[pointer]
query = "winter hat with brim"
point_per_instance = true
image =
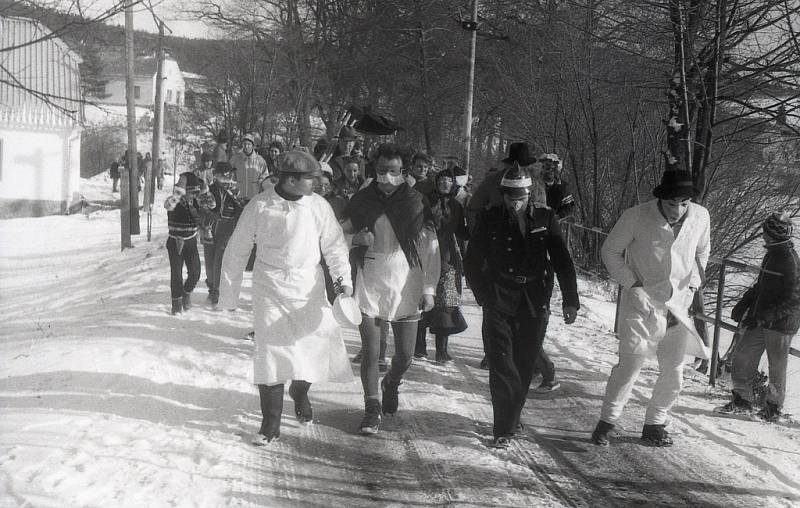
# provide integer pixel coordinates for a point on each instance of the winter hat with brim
(779, 226)
(516, 183)
(299, 163)
(675, 184)
(189, 181)
(223, 167)
(519, 152)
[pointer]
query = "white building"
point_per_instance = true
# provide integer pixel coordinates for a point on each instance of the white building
(144, 81)
(40, 117)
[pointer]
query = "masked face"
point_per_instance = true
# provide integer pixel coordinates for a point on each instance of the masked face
(674, 209)
(444, 184)
(390, 171)
(515, 204)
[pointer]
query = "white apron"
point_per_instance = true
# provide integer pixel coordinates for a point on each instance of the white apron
(296, 334)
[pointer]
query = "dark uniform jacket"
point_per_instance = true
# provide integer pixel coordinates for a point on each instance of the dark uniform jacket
(507, 271)
(774, 300)
(560, 199)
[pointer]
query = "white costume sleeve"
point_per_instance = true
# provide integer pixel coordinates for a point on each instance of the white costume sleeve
(428, 249)
(613, 250)
(332, 243)
(236, 255)
(703, 247)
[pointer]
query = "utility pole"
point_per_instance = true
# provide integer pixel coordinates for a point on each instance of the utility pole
(158, 122)
(133, 170)
(471, 26)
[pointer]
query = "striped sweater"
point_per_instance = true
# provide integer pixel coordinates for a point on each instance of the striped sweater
(182, 217)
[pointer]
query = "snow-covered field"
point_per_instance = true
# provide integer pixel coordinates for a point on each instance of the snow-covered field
(108, 400)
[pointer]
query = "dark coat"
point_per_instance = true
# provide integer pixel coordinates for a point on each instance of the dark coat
(774, 300)
(560, 199)
(497, 254)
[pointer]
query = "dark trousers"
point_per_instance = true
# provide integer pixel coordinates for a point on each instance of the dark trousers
(544, 367)
(180, 253)
(213, 253)
(512, 345)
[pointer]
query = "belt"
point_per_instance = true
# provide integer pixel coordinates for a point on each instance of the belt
(519, 279)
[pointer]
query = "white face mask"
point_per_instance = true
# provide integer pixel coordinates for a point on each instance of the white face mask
(390, 179)
(461, 180)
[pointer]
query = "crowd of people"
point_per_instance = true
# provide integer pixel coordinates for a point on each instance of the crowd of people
(400, 235)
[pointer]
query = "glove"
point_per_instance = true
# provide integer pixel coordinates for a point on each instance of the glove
(427, 302)
(570, 315)
(363, 238)
(172, 202)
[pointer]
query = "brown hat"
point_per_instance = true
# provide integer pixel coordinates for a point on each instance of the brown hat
(298, 162)
(675, 184)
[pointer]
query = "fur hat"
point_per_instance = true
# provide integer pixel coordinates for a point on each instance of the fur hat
(675, 184)
(519, 152)
(188, 181)
(779, 226)
(516, 182)
(298, 162)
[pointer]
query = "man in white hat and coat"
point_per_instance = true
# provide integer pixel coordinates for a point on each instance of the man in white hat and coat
(296, 335)
(667, 241)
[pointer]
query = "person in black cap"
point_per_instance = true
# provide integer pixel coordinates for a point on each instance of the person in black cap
(297, 337)
(222, 222)
(511, 256)
(189, 197)
(657, 252)
(770, 314)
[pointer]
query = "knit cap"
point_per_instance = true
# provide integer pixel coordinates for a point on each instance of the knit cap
(779, 226)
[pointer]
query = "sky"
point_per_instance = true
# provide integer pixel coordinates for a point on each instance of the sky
(168, 10)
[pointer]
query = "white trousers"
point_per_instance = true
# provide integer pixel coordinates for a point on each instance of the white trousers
(670, 350)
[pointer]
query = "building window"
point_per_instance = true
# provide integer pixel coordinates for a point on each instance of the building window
(169, 95)
(137, 92)
(178, 97)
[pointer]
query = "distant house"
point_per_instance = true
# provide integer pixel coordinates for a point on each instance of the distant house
(144, 81)
(40, 120)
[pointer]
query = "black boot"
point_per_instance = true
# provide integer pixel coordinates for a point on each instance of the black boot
(177, 306)
(298, 391)
(372, 417)
(442, 356)
(390, 400)
(271, 409)
(656, 435)
(187, 301)
(600, 434)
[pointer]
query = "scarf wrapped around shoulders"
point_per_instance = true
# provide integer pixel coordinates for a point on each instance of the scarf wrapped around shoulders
(405, 208)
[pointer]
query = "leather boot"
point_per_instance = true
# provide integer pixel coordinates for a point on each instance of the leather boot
(271, 409)
(298, 391)
(187, 301)
(177, 306)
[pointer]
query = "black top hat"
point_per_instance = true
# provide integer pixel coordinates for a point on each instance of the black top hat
(519, 152)
(675, 184)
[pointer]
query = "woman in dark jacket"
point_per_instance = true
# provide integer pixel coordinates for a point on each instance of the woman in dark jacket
(445, 318)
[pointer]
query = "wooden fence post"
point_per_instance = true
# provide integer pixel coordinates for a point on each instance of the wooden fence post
(712, 378)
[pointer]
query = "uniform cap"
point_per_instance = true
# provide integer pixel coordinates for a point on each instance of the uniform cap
(298, 162)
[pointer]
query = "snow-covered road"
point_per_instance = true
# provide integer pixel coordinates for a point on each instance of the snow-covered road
(108, 400)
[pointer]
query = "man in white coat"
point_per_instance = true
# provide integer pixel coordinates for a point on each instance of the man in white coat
(667, 244)
(296, 335)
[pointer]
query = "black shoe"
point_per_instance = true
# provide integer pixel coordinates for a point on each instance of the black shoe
(419, 356)
(372, 417)
(177, 306)
(770, 412)
(600, 434)
(500, 442)
(656, 435)
(298, 391)
(271, 398)
(187, 301)
(390, 397)
(737, 405)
